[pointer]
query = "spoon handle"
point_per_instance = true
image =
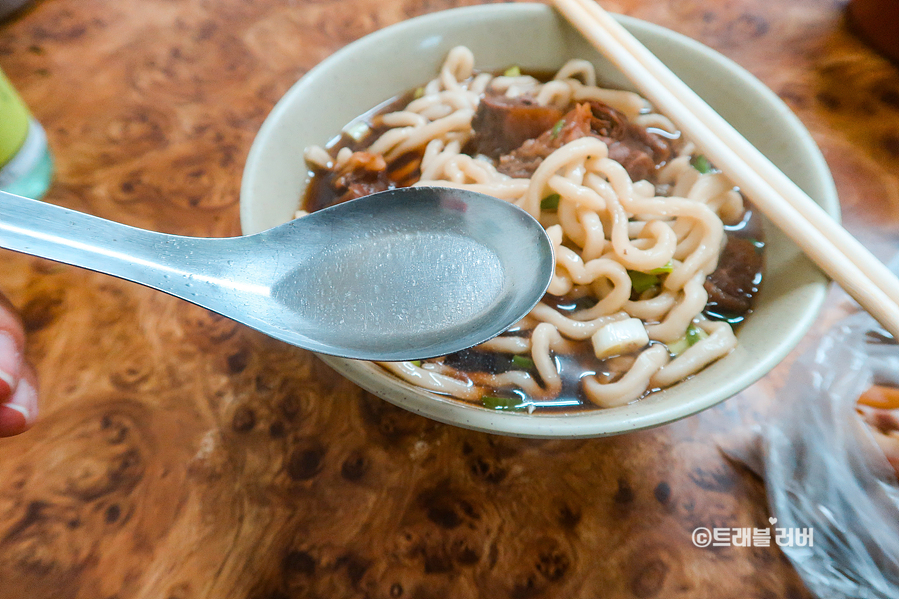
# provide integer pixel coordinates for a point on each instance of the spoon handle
(169, 263)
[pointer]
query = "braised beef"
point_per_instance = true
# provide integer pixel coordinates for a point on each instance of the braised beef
(523, 161)
(363, 174)
(637, 149)
(636, 162)
(734, 282)
(519, 131)
(502, 124)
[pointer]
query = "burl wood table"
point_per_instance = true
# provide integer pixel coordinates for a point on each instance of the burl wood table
(182, 456)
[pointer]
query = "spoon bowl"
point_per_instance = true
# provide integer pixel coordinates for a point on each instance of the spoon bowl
(403, 274)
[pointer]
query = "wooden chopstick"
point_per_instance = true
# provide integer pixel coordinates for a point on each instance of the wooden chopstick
(819, 236)
(748, 153)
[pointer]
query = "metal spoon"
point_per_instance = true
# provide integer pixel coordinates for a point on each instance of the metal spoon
(398, 275)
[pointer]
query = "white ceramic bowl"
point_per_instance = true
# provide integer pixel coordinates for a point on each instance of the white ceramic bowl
(402, 57)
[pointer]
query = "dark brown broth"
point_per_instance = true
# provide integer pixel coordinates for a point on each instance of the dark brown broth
(319, 191)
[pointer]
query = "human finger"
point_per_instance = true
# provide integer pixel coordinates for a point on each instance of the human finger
(19, 411)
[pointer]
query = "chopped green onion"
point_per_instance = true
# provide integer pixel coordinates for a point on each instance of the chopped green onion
(513, 72)
(419, 92)
(357, 130)
(415, 362)
(550, 202)
(557, 128)
(702, 164)
(619, 337)
(663, 270)
(695, 335)
(523, 362)
(679, 346)
(501, 403)
(641, 281)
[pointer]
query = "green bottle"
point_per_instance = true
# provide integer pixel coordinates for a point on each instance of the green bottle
(26, 166)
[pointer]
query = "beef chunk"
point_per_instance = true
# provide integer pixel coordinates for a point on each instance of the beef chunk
(734, 282)
(638, 150)
(363, 174)
(523, 161)
(502, 124)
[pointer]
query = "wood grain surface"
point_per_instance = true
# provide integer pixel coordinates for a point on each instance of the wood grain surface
(180, 455)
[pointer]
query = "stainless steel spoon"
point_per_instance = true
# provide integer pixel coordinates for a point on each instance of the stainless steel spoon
(398, 275)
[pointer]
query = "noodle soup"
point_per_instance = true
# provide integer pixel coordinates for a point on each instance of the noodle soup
(657, 255)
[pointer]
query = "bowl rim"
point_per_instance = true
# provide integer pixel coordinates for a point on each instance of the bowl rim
(580, 424)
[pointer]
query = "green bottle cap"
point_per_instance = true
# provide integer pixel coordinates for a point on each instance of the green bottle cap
(14, 118)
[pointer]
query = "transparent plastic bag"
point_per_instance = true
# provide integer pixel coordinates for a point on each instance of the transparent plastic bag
(823, 469)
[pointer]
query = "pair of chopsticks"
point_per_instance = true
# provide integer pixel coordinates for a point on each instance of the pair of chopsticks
(817, 234)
